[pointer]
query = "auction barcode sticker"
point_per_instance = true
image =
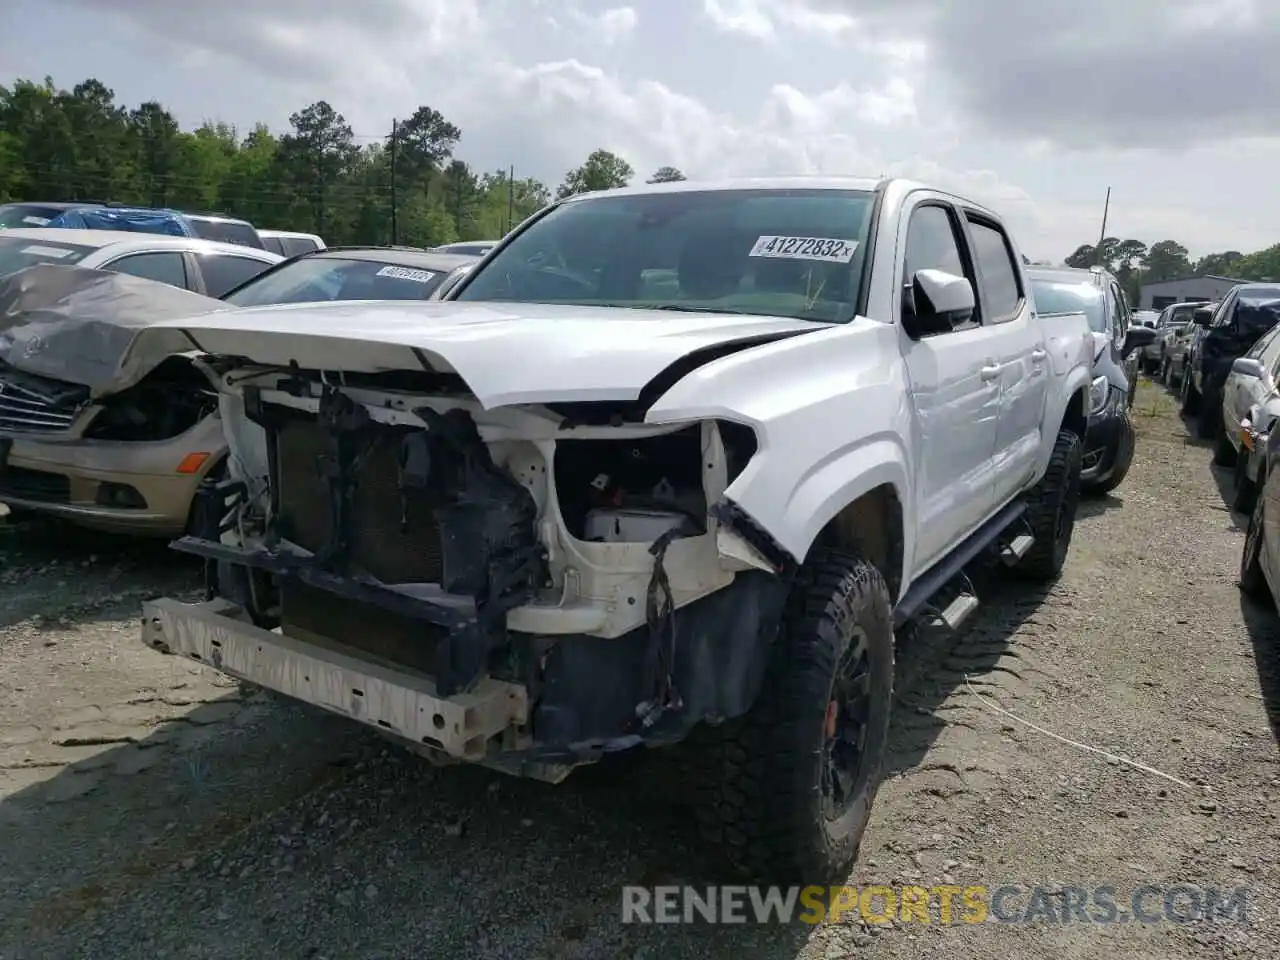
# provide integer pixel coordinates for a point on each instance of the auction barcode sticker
(805, 248)
(407, 273)
(38, 250)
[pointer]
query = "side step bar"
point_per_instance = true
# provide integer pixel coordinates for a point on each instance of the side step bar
(938, 576)
(384, 697)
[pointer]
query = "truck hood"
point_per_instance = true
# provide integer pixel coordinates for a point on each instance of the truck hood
(80, 325)
(506, 353)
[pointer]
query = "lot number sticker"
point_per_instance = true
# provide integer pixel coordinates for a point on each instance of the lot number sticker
(805, 248)
(36, 250)
(407, 273)
(36, 221)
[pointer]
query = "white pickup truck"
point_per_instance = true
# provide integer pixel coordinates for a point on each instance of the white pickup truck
(672, 464)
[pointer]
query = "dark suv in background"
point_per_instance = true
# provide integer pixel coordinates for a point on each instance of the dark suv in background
(1109, 440)
(1227, 332)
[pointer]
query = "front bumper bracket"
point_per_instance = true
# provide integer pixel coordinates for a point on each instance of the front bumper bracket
(394, 701)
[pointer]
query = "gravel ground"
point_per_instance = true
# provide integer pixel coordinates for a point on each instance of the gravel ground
(149, 808)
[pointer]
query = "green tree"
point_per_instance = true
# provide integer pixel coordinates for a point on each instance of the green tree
(666, 175)
(602, 171)
(155, 133)
(1223, 264)
(1166, 260)
(317, 155)
(1081, 257)
(423, 143)
(1260, 265)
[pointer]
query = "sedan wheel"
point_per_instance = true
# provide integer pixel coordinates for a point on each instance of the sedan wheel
(1252, 581)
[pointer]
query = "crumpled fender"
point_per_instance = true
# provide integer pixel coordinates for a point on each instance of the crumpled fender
(803, 475)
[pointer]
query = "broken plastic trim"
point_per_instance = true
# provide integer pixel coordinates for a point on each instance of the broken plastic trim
(728, 514)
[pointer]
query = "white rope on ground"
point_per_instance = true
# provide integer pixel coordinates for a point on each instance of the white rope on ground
(991, 705)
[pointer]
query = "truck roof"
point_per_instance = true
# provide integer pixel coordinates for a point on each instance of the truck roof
(894, 189)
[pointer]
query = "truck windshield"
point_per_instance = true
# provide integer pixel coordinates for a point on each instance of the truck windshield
(785, 253)
(1052, 297)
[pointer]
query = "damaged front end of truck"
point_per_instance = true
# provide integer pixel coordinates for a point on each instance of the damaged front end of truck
(527, 586)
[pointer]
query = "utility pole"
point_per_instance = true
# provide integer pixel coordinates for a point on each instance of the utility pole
(1106, 208)
(395, 226)
(511, 197)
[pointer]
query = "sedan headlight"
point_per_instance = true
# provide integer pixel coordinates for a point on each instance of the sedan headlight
(1098, 391)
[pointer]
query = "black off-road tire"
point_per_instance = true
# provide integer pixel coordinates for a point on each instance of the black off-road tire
(1246, 491)
(1209, 421)
(1253, 583)
(1120, 464)
(1189, 394)
(759, 792)
(1224, 454)
(1051, 511)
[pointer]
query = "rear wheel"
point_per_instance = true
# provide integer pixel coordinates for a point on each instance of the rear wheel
(1209, 421)
(1246, 493)
(785, 791)
(1190, 395)
(1224, 454)
(1253, 582)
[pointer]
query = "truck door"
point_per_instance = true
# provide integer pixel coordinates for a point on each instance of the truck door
(954, 393)
(1017, 345)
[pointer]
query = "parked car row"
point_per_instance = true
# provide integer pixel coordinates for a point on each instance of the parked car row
(81, 215)
(95, 215)
(1223, 358)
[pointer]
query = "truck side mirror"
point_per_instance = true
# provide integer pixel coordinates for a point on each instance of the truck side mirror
(1202, 316)
(1248, 367)
(937, 302)
(1136, 338)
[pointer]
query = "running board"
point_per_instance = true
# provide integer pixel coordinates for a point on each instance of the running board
(942, 573)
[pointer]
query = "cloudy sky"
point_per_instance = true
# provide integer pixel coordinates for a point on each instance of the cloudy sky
(1032, 107)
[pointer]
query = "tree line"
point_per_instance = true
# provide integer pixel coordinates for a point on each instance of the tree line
(406, 187)
(1134, 263)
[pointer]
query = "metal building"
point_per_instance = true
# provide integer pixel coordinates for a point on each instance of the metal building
(1157, 296)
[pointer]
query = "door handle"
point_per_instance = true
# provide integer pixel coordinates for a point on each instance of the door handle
(1038, 356)
(991, 371)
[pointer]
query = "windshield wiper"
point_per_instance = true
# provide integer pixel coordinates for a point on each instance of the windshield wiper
(678, 308)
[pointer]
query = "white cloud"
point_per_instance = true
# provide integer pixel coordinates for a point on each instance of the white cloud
(765, 19)
(614, 24)
(728, 87)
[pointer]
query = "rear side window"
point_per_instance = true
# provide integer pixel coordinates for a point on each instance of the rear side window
(164, 267)
(998, 275)
(297, 246)
(228, 231)
(223, 273)
(274, 245)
